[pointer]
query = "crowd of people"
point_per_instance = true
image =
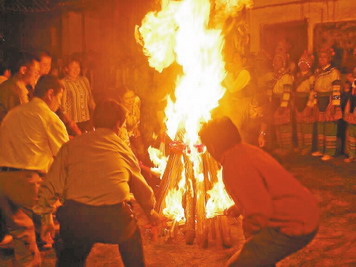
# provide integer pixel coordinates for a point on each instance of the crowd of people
(307, 108)
(39, 115)
(61, 152)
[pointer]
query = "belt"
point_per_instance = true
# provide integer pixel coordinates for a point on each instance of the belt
(11, 169)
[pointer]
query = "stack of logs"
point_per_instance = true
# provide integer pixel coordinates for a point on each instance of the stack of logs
(197, 226)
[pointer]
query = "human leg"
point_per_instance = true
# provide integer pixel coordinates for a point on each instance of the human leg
(321, 137)
(299, 130)
(21, 228)
(351, 142)
(73, 253)
(307, 137)
(19, 190)
(131, 251)
(268, 247)
(330, 138)
(284, 136)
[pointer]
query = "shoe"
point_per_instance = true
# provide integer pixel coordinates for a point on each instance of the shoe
(326, 157)
(348, 160)
(316, 154)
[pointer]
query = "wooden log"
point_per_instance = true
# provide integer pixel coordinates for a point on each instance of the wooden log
(172, 232)
(212, 229)
(225, 231)
(218, 239)
(171, 176)
(213, 168)
(189, 197)
(170, 179)
(202, 238)
(206, 171)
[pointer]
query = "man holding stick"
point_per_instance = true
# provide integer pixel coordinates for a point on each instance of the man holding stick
(95, 174)
(280, 216)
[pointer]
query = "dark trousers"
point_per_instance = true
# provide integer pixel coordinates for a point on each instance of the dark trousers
(268, 247)
(74, 254)
(83, 225)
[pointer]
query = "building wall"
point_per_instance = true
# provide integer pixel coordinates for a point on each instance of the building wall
(313, 11)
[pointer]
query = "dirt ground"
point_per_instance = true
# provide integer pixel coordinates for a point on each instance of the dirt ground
(333, 183)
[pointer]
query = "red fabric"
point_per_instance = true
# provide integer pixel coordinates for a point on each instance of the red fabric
(306, 116)
(332, 113)
(281, 116)
(267, 194)
(349, 117)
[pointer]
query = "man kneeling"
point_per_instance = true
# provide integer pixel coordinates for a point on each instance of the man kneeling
(95, 174)
(280, 216)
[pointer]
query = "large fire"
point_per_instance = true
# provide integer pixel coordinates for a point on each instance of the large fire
(183, 32)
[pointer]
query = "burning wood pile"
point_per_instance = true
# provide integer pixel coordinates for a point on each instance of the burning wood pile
(190, 33)
(186, 198)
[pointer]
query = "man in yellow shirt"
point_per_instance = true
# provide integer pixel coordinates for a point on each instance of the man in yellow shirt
(30, 136)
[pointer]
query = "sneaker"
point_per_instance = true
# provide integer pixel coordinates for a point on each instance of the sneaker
(326, 157)
(317, 154)
(348, 160)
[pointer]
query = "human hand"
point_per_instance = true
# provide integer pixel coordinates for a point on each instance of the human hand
(233, 211)
(155, 219)
(261, 139)
(48, 232)
(74, 127)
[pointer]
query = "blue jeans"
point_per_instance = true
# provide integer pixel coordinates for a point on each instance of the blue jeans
(268, 247)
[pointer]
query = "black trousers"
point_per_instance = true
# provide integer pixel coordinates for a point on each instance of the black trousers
(268, 247)
(82, 225)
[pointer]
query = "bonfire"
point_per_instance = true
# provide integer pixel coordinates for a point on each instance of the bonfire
(191, 193)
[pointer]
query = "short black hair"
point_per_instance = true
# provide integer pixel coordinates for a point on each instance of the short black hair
(21, 59)
(43, 53)
(108, 113)
(45, 83)
(221, 133)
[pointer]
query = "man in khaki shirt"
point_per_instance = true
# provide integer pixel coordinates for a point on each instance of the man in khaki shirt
(30, 136)
(95, 173)
(13, 91)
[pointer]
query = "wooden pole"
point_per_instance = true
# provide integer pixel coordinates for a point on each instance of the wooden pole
(201, 234)
(170, 179)
(189, 208)
(225, 231)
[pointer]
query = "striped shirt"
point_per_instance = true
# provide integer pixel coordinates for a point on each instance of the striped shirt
(77, 99)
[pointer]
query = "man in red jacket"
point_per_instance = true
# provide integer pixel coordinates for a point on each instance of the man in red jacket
(280, 216)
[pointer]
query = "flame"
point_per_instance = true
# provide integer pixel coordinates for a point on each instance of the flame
(182, 32)
(158, 159)
(219, 199)
(174, 209)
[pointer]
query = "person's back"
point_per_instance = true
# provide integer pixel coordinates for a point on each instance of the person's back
(27, 136)
(288, 205)
(280, 216)
(95, 174)
(97, 162)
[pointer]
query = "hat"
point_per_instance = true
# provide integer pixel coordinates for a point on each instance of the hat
(307, 59)
(325, 48)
